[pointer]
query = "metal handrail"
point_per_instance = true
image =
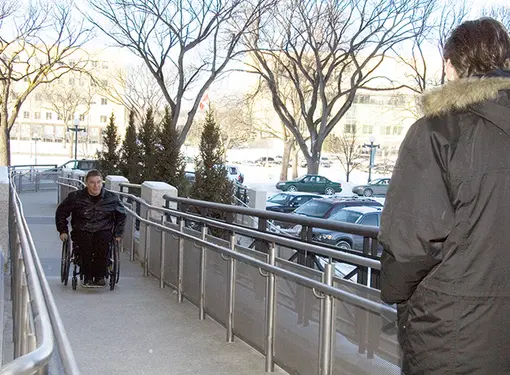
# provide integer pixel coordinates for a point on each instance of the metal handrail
(361, 230)
(268, 268)
(283, 241)
(30, 287)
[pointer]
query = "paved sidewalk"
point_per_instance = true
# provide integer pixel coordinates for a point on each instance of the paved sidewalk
(138, 328)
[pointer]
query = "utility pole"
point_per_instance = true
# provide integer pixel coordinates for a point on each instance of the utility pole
(373, 149)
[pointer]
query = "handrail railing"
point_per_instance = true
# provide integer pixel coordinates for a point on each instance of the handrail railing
(36, 318)
(270, 268)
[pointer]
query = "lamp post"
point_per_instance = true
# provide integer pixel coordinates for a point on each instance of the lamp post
(372, 148)
(76, 129)
(35, 139)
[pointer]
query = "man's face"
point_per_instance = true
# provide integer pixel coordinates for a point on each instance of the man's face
(94, 185)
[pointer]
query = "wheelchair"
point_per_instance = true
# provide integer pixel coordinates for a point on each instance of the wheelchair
(71, 256)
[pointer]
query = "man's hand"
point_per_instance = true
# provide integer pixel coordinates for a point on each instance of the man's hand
(117, 239)
(64, 236)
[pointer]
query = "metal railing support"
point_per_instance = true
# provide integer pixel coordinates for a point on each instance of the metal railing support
(231, 291)
(147, 245)
(201, 276)
(162, 256)
(326, 328)
(270, 311)
(180, 267)
(133, 241)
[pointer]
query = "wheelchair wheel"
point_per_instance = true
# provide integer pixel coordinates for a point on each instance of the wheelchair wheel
(74, 282)
(65, 262)
(117, 262)
(114, 265)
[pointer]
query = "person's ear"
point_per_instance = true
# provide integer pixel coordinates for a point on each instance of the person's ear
(450, 71)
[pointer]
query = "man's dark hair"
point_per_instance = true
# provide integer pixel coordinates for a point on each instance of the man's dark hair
(478, 47)
(93, 173)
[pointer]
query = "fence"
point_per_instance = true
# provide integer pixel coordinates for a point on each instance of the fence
(34, 177)
(305, 320)
(37, 323)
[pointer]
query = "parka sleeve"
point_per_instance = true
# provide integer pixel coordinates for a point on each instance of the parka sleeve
(120, 218)
(64, 210)
(417, 215)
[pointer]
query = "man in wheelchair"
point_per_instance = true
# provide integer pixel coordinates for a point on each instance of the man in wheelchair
(97, 217)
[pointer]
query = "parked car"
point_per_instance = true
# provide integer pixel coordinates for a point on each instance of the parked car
(263, 161)
(234, 174)
(288, 202)
(362, 215)
(378, 186)
(81, 164)
(311, 183)
(326, 207)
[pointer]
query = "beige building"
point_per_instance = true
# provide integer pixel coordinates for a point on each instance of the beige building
(50, 111)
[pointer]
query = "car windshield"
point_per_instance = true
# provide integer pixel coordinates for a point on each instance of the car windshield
(376, 181)
(314, 208)
(346, 216)
(279, 198)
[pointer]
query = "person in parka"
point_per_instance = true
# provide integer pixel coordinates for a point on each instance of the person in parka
(446, 258)
(97, 217)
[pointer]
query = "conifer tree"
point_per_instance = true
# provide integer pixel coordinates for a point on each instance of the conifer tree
(170, 163)
(130, 153)
(147, 144)
(108, 157)
(212, 183)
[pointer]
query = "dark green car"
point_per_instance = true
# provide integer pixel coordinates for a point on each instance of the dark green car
(311, 183)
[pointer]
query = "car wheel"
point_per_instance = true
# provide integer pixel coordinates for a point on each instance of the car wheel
(344, 245)
(291, 188)
(368, 192)
(330, 191)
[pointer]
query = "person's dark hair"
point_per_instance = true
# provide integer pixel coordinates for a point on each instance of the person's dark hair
(93, 173)
(478, 47)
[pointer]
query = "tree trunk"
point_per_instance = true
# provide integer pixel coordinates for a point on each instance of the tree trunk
(348, 171)
(295, 162)
(287, 150)
(4, 145)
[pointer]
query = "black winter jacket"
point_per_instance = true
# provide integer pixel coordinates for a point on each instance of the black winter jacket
(88, 216)
(446, 259)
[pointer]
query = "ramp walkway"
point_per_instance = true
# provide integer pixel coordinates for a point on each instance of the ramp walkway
(138, 328)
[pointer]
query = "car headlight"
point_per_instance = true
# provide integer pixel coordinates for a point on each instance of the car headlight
(324, 237)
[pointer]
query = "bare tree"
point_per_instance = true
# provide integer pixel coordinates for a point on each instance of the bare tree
(346, 149)
(499, 12)
(186, 45)
(36, 45)
(328, 50)
(134, 87)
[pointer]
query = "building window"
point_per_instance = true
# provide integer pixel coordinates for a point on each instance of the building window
(397, 130)
(49, 115)
(104, 101)
(38, 97)
(104, 118)
(350, 128)
(71, 63)
(94, 64)
(385, 130)
(59, 118)
(37, 115)
(104, 82)
(26, 114)
(368, 129)
(105, 65)
(82, 117)
(25, 79)
(71, 81)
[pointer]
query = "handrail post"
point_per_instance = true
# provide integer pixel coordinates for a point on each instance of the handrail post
(326, 327)
(147, 245)
(270, 311)
(162, 255)
(202, 275)
(180, 267)
(133, 232)
(231, 291)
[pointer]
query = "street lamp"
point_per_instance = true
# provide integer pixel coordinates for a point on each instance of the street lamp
(76, 129)
(372, 148)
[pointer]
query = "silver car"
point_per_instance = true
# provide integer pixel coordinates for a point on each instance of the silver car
(378, 186)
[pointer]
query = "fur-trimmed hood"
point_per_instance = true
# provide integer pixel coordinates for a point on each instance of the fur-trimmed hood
(463, 93)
